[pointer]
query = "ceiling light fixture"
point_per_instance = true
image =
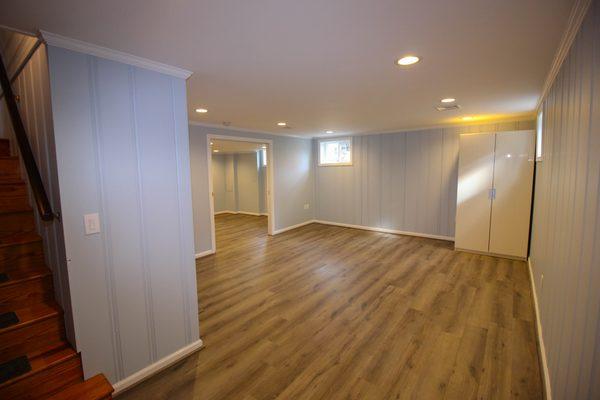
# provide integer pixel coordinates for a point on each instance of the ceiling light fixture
(201, 110)
(281, 124)
(408, 60)
(215, 151)
(448, 100)
(211, 143)
(264, 146)
(468, 118)
(329, 132)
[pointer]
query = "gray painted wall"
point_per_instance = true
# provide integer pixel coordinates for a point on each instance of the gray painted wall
(33, 87)
(218, 172)
(245, 192)
(402, 181)
(122, 150)
(293, 180)
(565, 245)
(247, 182)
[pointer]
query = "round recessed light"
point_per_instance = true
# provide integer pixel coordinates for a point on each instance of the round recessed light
(211, 143)
(329, 132)
(408, 60)
(201, 110)
(448, 100)
(215, 151)
(281, 124)
(468, 118)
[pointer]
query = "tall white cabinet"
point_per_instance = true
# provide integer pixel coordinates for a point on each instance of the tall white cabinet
(495, 178)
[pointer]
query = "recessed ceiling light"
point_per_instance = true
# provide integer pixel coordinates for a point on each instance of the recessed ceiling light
(282, 124)
(448, 100)
(211, 143)
(408, 60)
(215, 151)
(201, 110)
(329, 132)
(264, 146)
(468, 118)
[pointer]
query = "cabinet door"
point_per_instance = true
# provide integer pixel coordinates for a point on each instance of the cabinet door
(511, 207)
(475, 176)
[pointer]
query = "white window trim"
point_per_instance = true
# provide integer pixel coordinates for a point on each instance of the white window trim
(539, 136)
(336, 139)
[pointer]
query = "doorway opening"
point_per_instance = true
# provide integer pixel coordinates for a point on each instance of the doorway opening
(240, 185)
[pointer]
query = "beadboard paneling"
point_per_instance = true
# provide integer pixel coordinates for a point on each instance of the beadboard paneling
(565, 245)
(402, 181)
(122, 150)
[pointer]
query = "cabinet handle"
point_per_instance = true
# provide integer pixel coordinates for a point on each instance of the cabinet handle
(492, 194)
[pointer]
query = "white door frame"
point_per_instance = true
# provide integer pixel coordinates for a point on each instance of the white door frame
(270, 181)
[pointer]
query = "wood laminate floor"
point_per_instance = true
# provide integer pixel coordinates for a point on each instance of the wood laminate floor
(323, 312)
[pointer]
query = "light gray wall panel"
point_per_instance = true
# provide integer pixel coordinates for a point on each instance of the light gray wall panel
(293, 180)
(565, 245)
(247, 182)
(122, 149)
(218, 176)
(403, 181)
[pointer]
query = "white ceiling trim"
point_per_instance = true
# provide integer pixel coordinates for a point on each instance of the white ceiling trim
(576, 17)
(104, 52)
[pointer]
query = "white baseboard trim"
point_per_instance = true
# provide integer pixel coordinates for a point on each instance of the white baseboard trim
(205, 253)
(385, 230)
(241, 212)
(225, 212)
(540, 337)
(289, 228)
(158, 366)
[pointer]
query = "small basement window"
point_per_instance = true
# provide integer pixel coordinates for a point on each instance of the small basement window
(335, 152)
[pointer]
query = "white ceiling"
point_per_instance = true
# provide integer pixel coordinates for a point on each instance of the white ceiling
(327, 64)
(234, 146)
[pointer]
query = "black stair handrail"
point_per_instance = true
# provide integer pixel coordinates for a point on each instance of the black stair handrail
(33, 173)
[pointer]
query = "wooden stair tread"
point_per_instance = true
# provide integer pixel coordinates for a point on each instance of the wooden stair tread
(35, 313)
(43, 362)
(95, 388)
(20, 275)
(19, 238)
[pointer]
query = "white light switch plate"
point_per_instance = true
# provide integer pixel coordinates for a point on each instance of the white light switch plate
(306, 206)
(92, 223)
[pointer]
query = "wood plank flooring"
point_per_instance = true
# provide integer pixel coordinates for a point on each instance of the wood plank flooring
(324, 312)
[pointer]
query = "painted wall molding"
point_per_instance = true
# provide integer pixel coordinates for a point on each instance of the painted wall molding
(155, 368)
(204, 253)
(385, 230)
(289, 228)
(540, 338)
(64, 42)
(578, 13)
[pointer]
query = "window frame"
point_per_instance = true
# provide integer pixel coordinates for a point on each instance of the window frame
(336, 139)
(539, 136)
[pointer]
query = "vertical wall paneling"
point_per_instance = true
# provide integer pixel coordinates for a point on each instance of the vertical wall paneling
(565, 250)
(122, 150)
(401, 181)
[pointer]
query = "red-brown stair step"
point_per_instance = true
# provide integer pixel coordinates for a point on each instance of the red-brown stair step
(50, 373)
(39, 328)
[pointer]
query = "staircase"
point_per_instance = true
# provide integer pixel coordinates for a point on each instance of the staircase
(36, 361)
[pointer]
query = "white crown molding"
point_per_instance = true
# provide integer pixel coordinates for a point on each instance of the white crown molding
(53, 39)
(574, 22)
(237, 129)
